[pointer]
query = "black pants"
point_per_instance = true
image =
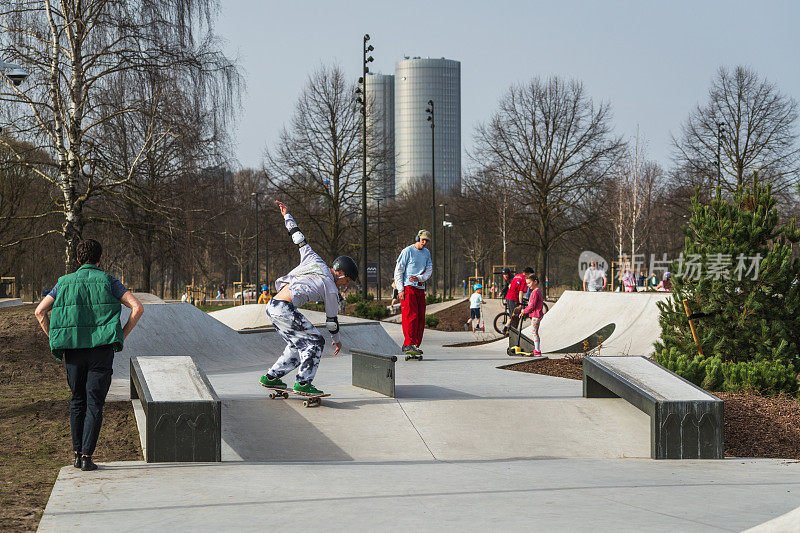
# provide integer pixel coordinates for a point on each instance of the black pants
(89, 377)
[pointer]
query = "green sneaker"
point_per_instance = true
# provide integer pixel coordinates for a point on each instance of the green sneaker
(308, 388)
(275, 383)
(412, 350)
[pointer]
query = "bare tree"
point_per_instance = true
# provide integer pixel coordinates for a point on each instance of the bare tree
(556, 146)
(75, 52)
(756, 126)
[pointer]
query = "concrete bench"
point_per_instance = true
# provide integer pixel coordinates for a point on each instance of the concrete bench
(181, 411)
(686, 422)
(374, 371)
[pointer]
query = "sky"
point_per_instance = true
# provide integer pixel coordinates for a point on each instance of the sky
(652, 61)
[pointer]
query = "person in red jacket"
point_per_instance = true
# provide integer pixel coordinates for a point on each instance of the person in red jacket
(516, 290)
(535, 311)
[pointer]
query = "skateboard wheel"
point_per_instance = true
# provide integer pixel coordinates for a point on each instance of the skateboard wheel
(509, 351)
(271, 395)
(285, 395)
(420, 358)
(305, 403)
(408, 357)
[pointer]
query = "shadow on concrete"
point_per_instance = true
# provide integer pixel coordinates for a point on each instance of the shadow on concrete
(273, 430)
(431, 392)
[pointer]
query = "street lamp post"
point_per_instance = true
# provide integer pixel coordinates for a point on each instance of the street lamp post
(444, 251)
(13, 72)
(255, 198)
(431, 118)
(379, 251)
(361, 91)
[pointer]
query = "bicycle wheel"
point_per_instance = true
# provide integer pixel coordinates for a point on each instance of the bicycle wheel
(500, 322)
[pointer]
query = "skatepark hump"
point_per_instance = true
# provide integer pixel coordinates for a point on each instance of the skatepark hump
(578, 315)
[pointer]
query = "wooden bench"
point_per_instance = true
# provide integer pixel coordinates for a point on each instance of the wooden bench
(374, 371)
(686, 422)
(181, 410)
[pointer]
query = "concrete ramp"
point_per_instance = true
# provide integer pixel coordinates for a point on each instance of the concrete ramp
(10, 302)
(577, 316)
(254, 316)
(148, 298)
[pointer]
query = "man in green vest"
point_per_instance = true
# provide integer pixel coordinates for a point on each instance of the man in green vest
(85, 331)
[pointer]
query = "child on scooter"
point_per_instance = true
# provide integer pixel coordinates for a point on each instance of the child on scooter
(475, 302)
(534, 310)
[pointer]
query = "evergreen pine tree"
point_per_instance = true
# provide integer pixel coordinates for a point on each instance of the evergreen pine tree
(738, 269)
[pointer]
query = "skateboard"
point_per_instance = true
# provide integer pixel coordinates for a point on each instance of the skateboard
(313, 399)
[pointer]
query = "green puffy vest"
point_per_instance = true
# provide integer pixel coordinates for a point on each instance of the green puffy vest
(85, 313)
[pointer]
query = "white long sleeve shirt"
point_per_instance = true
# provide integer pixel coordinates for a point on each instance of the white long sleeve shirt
(311, 280)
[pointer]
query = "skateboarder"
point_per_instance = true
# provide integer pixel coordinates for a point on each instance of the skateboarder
(312, 280)
(413, 269)
(535, 311)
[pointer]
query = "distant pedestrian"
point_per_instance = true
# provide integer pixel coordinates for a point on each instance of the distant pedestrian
(494, 290)
(413, 269)
(184, 297)
(475, 302)
(84, 330)
(629, 279)
(594, 279)
(464, 283)
(652, 282)
(264, 297)
(534, 310)
(640, 281)
(666, 283)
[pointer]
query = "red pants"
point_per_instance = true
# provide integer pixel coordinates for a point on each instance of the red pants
(413, 310)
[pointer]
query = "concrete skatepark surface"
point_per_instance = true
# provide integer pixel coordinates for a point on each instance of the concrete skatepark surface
(464, 446)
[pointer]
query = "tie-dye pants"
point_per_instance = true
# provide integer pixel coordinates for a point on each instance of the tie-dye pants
(304, 344)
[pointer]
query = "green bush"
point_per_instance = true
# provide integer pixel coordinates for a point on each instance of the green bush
(712, 373)
(370, 311)
(353, 297)
(431, 299)
(431, 321)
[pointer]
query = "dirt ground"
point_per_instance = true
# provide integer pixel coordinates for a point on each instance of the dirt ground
(755, 425)
(34, 416)
(453, 318)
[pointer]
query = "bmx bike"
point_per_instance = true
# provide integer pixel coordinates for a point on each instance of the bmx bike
(502, 319)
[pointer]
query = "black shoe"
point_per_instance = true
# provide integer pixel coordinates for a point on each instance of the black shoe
(87, 464)
(77, 463)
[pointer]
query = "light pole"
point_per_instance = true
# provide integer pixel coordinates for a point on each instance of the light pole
(255, 198)
(720, 136)
(449, 249)
(431, 118)
(13, 72)
(444, 251)
(361, 91)
(379, 250)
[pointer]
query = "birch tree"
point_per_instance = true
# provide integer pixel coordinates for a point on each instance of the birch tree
(75, 50)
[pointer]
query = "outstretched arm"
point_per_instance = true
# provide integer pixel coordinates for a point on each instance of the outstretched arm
(294, 232)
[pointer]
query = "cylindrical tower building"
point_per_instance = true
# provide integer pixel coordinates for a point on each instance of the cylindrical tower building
(418, 80)
(380, 135)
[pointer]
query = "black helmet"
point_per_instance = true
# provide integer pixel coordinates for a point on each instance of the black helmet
(506, 270)
(528, 270)
(346, 264)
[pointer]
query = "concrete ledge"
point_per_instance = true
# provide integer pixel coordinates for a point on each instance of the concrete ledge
(182, 414)
(374, 371)
(686, 422)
